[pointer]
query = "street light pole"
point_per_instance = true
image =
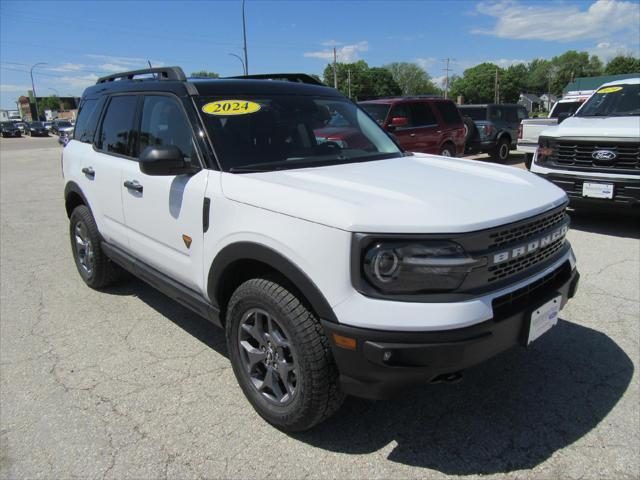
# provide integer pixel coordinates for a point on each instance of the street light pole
(33, 88)
(244, 69)
(244, 36)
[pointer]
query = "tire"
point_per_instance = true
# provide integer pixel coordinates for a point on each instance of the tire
(262, 318)
(447, 150)
(95, 268)
(528, 160)
(501, 152)
(470, 129)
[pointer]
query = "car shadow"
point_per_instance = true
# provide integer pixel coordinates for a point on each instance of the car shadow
(510, 413)
(616, 223)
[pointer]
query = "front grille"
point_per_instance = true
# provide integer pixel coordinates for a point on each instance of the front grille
(523, 297)
(578, 154)
(519, 264)
(521, 232)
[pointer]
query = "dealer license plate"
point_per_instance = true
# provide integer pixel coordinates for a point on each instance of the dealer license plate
(597, 190)
(543, 318)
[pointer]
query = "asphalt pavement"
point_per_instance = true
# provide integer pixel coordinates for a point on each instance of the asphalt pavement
(126, 383)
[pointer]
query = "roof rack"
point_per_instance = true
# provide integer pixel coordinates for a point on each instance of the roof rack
(161, 73)
(289, 77)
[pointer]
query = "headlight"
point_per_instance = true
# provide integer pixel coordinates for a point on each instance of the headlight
(416, 267)
(546, 148)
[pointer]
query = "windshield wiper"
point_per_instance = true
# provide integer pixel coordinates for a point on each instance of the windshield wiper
(250, 169)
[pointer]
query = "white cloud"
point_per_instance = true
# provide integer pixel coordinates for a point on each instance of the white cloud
(345, 54)
(12, 88)
(66, 67)
(426, 63)
(73, 82)
(331, 43)
(560, 22)
(607, 50)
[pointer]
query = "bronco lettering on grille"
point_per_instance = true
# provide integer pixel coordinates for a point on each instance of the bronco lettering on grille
(530, 246)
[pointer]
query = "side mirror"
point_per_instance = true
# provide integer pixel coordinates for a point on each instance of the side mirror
(563, 116)
(398, 122)
(164, 160)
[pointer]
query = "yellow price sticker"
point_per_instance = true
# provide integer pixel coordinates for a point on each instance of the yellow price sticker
(231, 107)
(609, 89)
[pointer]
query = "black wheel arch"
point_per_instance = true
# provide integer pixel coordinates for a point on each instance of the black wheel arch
(506, 135)
(73, 196)
(242, 261)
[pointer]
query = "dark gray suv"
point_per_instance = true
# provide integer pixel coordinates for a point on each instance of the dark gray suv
(492, 128)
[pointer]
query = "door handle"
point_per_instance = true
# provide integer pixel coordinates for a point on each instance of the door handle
(412, 134)
(133, 185)
(89, 172)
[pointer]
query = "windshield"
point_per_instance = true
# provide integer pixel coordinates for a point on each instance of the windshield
(272, 132)
(378, 111)
(565, 107)
(64, 124)
(475, 113)
(613, 101)
(36, 124)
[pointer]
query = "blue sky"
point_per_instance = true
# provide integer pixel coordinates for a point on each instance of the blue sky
(80, 41)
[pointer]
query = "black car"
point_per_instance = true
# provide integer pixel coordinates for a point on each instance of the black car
(10, 130)
(492, 128)
(37, 129)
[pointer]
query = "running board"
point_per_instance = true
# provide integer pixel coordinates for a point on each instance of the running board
(181, 294)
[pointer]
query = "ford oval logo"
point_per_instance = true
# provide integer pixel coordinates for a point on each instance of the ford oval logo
(604, 155)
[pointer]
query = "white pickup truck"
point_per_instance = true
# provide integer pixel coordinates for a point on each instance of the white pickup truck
(530, 128)
(594, 156)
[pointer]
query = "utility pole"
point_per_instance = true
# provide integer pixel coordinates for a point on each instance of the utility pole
(335, 69)
(496, 96)
(349, 80)
(446, 82)
(244, 36)
(33, 89)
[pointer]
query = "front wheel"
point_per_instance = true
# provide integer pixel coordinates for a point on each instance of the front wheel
(280, 356)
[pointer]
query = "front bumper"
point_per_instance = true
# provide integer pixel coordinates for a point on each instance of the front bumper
(626, 191)
(384, 362)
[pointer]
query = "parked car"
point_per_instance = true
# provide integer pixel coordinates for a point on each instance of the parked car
(60, 125)
(334, 269)
(530, 128)
(47, 125)
(37, 129)
(594, 156)
(420, 124)
(21, 126)
(10, 130)
(64, 135)
(494, 129)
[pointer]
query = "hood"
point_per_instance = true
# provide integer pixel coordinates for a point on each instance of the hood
(618, 127)
(417, 194)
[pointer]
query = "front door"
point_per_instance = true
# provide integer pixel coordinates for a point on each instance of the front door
(163, 214)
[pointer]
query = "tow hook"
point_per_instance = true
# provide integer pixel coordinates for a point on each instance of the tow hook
(453, 377)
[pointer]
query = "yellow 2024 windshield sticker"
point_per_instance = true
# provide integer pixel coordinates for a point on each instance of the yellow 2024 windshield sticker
(231, 107)
(609, 89)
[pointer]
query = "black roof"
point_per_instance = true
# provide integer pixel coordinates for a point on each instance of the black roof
(172, 79)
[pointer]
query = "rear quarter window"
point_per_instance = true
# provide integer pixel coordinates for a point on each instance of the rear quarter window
(449, 113)
(87, 121)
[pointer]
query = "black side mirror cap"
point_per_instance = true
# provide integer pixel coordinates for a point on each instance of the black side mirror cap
(563, 116)
(164, 160)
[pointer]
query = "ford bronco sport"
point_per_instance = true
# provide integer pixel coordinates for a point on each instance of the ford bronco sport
(357, 270)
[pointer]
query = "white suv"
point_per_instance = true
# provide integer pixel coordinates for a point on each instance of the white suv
(351, 268)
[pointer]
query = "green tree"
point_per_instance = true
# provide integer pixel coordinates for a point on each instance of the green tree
(513, 82)
(412, 79)
(204, 74)
(49, 103)
(366, 82)
(622, 64)
(477, 84)
(570, 65)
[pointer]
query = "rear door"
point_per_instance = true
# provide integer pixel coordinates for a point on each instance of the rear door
(428, 132)
(406, 136)
(164, 214)
(452, 126)
(101, 170)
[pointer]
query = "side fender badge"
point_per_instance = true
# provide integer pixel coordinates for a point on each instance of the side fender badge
(187, 240)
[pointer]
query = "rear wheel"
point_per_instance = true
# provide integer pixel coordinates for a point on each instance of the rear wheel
(280, 356)
(447, 150)
(501, 152)
(95, 268)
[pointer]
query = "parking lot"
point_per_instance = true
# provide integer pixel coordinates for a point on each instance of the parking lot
(126, 383)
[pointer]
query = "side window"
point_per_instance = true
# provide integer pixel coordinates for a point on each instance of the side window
(402, 110)
(87, 120)
(164, 123)
(496, 114)
(449, 113)
(511, 115)
(522, 114)
(117, 125)
(422, 115)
